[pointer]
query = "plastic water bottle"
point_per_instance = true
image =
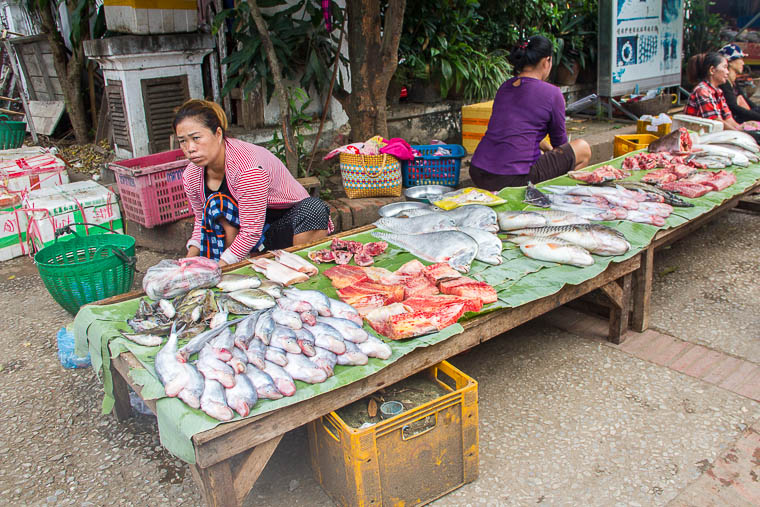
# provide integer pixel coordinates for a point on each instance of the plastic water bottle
(66, 351)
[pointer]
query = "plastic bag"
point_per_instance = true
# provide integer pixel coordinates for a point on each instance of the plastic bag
(655, 121)
(469, 195)
(66, 353)
(170, 278)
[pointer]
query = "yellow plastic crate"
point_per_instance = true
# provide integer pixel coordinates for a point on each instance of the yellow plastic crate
(475, 123)
(626, 144)
(385, 465)
(662, 130)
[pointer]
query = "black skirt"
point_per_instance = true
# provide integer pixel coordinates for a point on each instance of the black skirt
(311, 214)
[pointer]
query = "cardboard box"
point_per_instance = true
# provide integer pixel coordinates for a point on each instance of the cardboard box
(27, 169)
(13, 224)
(475, 119)
(49, 209)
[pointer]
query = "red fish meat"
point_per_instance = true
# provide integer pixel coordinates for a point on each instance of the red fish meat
(320, 256)
(439, 300)
(686, 189)
(440, 271)
(343, 276)
(469, 288)
(599, 175)
(419, 285)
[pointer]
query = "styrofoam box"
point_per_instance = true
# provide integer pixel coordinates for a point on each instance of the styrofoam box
(13, 223)
(29, 169)
(697, 124)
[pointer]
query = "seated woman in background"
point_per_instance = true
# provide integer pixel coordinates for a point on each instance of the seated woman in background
(707, 99)
(525, 110)
(742, 108)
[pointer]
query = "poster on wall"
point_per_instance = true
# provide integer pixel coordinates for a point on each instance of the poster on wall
(640, 45)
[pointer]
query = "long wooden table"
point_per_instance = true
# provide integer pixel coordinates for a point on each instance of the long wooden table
(642, 292)
(230, 457)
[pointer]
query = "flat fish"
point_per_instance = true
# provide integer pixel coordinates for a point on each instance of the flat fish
(489, 245)
(597, 239)
(511, 220)
(232, 282)
(553, 250)
(453, 247)
(242, 397)
(214, 403)
(417, 225)
(282, 380)
(265, 388)
(353, 356)
(374, 347)
(476, 216)
(301, 368)
(535, 197)
(348, 330)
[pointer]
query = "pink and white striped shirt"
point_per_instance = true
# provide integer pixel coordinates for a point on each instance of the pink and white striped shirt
(257, 180)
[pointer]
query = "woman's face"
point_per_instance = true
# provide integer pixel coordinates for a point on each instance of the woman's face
(719, 74)
(736, 65)
(198, 143)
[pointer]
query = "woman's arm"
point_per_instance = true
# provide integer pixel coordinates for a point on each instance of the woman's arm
(557, 132)
(252, 191)
(191, 181)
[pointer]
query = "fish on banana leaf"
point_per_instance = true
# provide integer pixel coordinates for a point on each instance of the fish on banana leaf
(553, 250)
(453, 247)
(596, 238)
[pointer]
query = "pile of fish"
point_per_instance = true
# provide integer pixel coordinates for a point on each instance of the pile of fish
(722, 149)
(569, 244)
(342, 251)
(456, 237)
(288, 269)
(287, 335)
(411, 301)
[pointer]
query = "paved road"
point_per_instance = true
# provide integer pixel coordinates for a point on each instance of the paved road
(565, 418)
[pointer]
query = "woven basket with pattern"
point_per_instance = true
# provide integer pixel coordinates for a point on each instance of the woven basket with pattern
(370, 175)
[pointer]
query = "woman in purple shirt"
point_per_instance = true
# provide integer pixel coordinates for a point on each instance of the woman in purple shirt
(525, 109)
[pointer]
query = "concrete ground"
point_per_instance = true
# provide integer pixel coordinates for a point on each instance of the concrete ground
(565, 417)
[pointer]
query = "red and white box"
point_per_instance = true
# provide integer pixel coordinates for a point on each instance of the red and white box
(31, 168)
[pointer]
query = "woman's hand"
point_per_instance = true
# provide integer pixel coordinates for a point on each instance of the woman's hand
(221, 263)
(193, 251)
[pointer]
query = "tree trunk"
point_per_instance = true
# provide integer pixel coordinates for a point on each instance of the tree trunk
(373, 56)
(69, 70)
(291, 156)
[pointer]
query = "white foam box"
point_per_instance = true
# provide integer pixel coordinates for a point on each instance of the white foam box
(696, 124)
(13, 223)
(31, 168)
(49, 209)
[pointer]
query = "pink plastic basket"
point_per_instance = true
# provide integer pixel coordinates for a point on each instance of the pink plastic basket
(151, 188)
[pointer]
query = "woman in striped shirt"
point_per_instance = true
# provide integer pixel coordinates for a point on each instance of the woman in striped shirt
(243, 197)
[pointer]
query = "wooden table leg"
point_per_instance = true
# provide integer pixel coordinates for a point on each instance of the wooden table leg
(643, 291)
(620, 296)
(122, 407)
(749, 205)
(228, 482)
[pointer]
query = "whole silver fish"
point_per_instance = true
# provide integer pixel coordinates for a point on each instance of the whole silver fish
(489, 245)
(309, 317)
(222, 345)
(733, 137)
(345, 311)
(306, 341)
(233, 282)
(752, 156)
(213, 368)
(229, 305)
(511, 220)
(171, 372)
(316, 299)
(144, 339)
(264, 327)
(282, 380)
(597, 239)
(256, 353)
(301, 368)
(473, 215)
(200, 340)
(352, 356)
(553, 250)
(736, 157)
(213, 402)
(374, 347)
(327, 337)
(193, 390)
(274, 289)
(348, 330)
(242, 397)
(416, 212)
(286, 318)
(453, 247)
(558, 217)
(245, 329)
(293, 305)
(426, 223)
(239, 360)
(276, 355)
(325, 360)
(253, 298)
(265, 388)
(285, 339)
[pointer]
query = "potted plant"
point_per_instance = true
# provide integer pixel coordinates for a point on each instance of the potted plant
(575, 46)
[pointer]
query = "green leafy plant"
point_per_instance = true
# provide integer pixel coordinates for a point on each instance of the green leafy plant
(300, 123)
(701, 29)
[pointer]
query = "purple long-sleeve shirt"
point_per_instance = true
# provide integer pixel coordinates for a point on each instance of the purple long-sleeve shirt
(521, 118)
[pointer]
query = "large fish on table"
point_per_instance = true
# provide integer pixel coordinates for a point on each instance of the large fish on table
(733, 137)
(553, 250)
(178, 378)
(598, 239)
(474, 215)
(453, 247)
(489, 245)
(417, 225)
(214, 403)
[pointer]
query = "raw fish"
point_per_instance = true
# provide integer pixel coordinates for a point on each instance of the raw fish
(214, 403)
(285, 339)
(278, 272)
(144, 339)
(598, 239)
(232, 282)
(276, 355)
(327, 337)
(264, 327)
(325, 360)
(454, 247)
(734, 137)
(489, 245)
(374, 347)
(242, 397)
(348, 330)
(200, 340)
(282, 380)
(172, 373)
(553, 250)
(417, 225)
(296, 262)
(535, 197)
(286, 318)
(274, 289)
(256, 353)
(474, 215)
(316, 299)
(300, 368)
(245, 329)
(306, 341)
(352, 356)
(212, 368)
(238, 361)
(265, 388)
(253, 298)
(510, 220)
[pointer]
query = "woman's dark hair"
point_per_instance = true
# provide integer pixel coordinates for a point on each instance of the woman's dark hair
(208, 113)
(529, 52)
(698, 67)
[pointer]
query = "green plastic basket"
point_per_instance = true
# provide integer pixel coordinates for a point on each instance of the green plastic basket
(11, 133)
(81, 270)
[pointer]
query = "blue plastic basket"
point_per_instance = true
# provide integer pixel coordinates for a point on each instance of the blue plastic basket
(432, 170)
